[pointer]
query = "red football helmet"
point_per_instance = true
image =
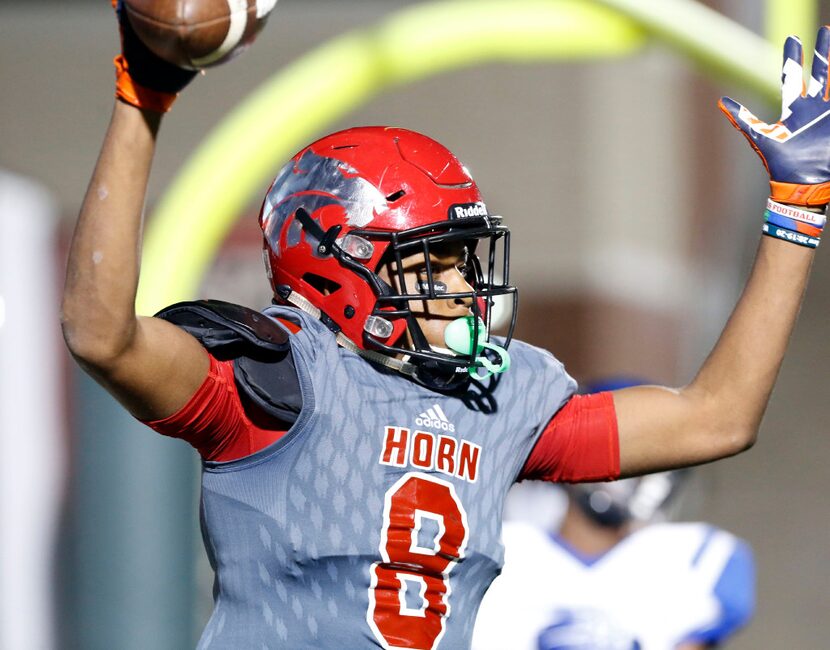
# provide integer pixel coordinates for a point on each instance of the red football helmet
(350, 202)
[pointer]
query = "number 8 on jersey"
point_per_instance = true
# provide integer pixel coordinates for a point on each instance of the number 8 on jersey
(424, 535)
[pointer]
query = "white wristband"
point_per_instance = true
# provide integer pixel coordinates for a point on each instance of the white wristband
(791, 212)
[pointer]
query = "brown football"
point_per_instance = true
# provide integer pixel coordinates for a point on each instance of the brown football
(197, 34)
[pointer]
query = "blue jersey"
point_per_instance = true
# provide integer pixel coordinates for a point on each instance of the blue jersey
(376, 520)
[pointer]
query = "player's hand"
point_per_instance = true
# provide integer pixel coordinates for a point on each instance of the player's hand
(796, 149)
(143, 79)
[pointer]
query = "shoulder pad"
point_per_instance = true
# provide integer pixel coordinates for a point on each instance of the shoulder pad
(272, 385)
(218, 324)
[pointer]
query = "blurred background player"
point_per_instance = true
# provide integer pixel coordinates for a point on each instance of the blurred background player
(615, 574)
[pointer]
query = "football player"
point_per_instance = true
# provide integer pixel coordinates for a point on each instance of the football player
(615, 574)
(359, 437)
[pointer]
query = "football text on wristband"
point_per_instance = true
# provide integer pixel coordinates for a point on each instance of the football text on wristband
(793, 224)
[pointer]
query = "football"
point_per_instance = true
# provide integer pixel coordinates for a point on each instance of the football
(196, 34)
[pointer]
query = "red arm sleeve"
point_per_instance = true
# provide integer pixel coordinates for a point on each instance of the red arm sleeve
(580, 443)
(214, 420)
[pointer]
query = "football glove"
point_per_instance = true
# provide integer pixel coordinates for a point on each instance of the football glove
(142, 78)
(796, 149)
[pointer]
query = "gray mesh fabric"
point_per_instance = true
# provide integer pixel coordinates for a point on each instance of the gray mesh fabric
(294, 532)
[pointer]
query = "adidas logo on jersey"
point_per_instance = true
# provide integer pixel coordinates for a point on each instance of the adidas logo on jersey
(435, 418)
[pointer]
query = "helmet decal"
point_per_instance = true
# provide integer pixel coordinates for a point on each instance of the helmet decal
(289, 191)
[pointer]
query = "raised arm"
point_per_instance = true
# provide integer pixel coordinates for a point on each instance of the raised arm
(149, 365)
(718, 414)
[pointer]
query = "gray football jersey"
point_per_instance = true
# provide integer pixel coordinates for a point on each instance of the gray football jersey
(376, 520)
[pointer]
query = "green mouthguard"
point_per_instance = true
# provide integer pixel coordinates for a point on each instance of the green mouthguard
(459, 338)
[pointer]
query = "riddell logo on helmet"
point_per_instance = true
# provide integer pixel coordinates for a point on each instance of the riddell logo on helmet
(467, 210)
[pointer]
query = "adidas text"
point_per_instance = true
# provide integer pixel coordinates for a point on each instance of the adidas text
(434, 418)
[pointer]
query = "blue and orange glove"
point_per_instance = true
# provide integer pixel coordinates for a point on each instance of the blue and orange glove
(141, 78)
(796, 149)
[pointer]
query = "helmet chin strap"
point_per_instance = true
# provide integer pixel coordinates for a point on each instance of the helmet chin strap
(459, 336)
(400, 365)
